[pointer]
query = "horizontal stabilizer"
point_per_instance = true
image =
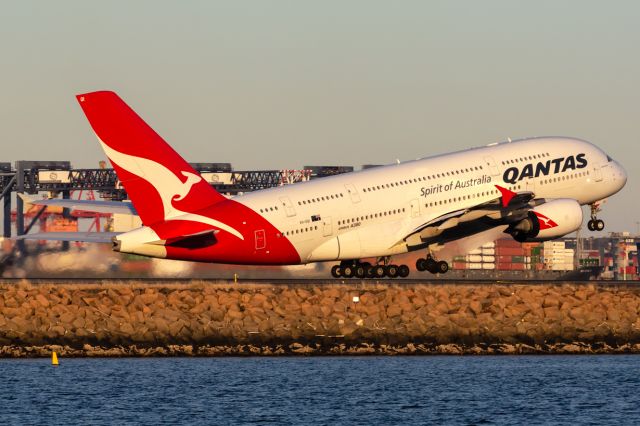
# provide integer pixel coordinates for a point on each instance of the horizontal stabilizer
(197, 240)
(84, 205)
(86, 237)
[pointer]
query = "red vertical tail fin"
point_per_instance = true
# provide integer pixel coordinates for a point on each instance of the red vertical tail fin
(159, 182)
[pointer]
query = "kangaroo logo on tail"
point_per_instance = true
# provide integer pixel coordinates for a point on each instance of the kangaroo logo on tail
(167, 184)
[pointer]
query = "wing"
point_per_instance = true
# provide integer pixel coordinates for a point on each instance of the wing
(85, 205)
(86, 237)
(510, 208)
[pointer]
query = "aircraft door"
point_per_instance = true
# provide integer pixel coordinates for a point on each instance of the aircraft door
(261, 239)
(530, 185)
(415, 208)
(353, 193)
(288, 206)
(327, 227)
(597, 172)
(491, 166)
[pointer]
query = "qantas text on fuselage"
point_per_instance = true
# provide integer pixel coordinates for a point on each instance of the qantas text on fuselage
(531, 189)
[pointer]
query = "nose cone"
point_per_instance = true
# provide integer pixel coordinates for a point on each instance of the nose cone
(620, 175)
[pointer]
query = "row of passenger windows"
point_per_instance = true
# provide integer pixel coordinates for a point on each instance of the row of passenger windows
(269, 209)
(530, 157)
(319, 199)
(309, 201)
(370, 216)
(421, 179)
(469, 197)
(301, 230)
(559, 178)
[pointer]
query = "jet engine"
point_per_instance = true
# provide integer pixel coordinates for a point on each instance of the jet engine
(548, 221)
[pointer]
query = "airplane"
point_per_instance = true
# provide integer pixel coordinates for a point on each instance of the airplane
(531, 189)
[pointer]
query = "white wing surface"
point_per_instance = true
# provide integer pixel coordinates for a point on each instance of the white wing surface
(85, 205)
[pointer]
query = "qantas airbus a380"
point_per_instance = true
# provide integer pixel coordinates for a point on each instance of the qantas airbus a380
(532, 189)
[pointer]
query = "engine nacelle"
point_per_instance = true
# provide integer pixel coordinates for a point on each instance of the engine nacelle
(548, 221)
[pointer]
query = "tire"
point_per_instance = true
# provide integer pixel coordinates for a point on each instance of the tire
(370, 271)
(403, 271)
(348, 271)
(432, 266)
(378, 271)
(442, 267)
(360, 271)
(421, 264)
(591, 225)
(599, 225)
(335, 271)
(392, 271)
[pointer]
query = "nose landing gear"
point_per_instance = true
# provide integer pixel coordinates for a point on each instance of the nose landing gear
(594, 223)
(432, 265)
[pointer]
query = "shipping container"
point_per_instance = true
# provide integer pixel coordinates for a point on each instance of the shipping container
(60, 224)
(459, 265)
(474, 265)
(510, 266)
(474, 258)
(488, 259)
(489, 251)
(509, 251)
(489, 266)
(561, 267)
(508, 242)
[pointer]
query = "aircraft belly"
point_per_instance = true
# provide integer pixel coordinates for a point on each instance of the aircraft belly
(349, 244)
(328, 250)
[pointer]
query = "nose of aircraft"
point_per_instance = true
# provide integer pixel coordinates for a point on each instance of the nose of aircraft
(620, 174)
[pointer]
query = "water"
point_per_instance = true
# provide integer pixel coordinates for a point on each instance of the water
(328, 390)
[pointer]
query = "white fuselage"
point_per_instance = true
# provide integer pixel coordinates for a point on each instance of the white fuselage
(368, 213)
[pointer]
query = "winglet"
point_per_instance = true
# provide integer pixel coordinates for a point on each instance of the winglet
(507, 195)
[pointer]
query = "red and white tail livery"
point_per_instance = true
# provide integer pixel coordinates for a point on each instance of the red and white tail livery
(532, 189)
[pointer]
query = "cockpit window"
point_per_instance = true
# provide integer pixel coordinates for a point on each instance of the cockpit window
(609, 159)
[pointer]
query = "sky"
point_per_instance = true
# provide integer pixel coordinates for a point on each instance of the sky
(284, 84)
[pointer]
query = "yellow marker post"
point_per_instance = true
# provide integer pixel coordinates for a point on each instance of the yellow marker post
(54, 358)
(235, 278)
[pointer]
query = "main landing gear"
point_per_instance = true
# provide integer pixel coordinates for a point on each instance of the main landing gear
(594, 223)
(357, 269)
(432, 265)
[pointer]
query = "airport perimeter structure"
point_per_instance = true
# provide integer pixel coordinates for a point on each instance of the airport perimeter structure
(58, 177)
(130, 318)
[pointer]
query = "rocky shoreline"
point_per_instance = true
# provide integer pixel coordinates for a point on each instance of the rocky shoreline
(297, 349)
(204, 319)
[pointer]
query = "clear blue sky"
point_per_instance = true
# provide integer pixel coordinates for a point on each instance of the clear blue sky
(282, 84)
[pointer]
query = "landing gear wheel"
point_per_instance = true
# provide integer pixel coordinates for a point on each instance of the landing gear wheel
(379, 271)
(432, 265)
(335, 271)
(348, 271)
(442, 267)
(360, 271)
(421, 264)
(392, 271)
(370, 271)
(403, 271)
(595, 225)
